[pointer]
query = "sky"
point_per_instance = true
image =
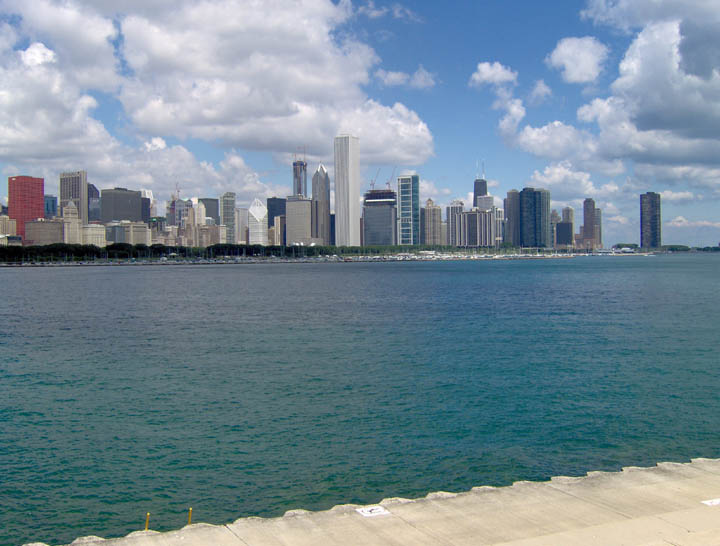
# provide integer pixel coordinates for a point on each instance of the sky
(599, 98)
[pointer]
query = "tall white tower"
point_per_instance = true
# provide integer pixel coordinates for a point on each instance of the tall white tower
(347, 191)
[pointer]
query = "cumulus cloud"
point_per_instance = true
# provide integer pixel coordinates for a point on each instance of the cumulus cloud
(540, 92)
(420, 79)
(682, 222)
(579, 59)
(677, 196)
(492, 73)
(566, 183)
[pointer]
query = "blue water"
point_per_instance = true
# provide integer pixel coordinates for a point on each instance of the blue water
(253, 389)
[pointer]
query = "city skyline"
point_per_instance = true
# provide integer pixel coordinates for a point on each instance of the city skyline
(578, 104)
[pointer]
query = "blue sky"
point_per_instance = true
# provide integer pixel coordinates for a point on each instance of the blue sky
(603, 98)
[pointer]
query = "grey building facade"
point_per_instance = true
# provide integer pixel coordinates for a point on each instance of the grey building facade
(120, 204)
(380, 218)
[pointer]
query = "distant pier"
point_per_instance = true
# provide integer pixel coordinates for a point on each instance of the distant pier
(671, 503)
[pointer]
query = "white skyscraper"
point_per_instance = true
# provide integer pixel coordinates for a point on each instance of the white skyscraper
(257, 223)
(347, 191)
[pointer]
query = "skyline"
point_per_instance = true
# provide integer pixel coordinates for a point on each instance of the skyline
(601, 100)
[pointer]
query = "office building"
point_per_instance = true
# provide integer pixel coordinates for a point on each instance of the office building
(152, 207)
(380, 218)
(72, 225)
(481, 228)
(257, 223)
(51, 206)
(26, 200)
(212, 209)
(120, 204)
(93, 234)
(241, 225)
(650, 220)
(479, 190)
(512, 218)
(94, 211)
(598, 228)
(8, 226)
(42, 232)
(275, 207)
(227, 215)
(347, 191)
(300, 178)
(564, 235)
(408, 196)
(332, 229)
(74, 187)
(568, 216)
(321, 205)
(432, 228)
(591, 230)
(298, 220)
(534, 218)
(554, 221)
(452, 217)
(132, 233)
(484, 202)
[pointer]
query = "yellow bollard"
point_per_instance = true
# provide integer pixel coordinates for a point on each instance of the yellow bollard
(190, 516)
(147, 520)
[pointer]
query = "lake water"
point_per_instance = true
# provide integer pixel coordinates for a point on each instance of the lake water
(254, 389)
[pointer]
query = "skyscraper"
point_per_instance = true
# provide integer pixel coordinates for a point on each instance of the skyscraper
(26, 200)
(212, 208)
(300, 178)
(257, 223)
(650, 220)
(535, 218)
(321, 204)
(120, 204)
(227, 216)
(298, 220)
(93, 204)
(588, 228)
(51, 204)
(433, 224)
(452, 216)
(347, 191)
(380, 217)
(479, 190)
(74, 187)
(512, 218)
(408, 210)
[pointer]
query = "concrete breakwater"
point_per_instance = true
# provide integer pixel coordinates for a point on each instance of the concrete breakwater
(671, 503)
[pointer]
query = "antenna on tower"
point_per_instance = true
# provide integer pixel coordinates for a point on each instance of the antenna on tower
(483, 164)
(477, 169)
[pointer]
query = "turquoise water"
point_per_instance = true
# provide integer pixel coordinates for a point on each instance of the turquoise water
(254, 389)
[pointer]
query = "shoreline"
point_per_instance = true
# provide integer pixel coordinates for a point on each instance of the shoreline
(673, 503)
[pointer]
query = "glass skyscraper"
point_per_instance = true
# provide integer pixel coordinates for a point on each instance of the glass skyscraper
(379, 217)
(650, 220)
(408, 210)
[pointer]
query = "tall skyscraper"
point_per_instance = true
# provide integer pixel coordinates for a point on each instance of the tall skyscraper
(650, 220)
(227, 215)
(26, 200)
(568, 215)
(535, 218)
(321, 204)
(212, 208)
(588, 228)
(380, 218)
(51, 206)
(408, 210)
(74, 187)
(347, 191)
(298, 220)
(512, 218)
(452, 216)
(257, 223)
(433, 224)
(94, 212)
(120, 204)
(300, 178)
(479, 190)
(276, 207)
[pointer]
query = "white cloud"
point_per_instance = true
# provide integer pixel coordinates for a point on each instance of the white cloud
(37, 54)
(682, 222)
(492, 73)
(390, 78)
(567, 184)
(371, 11)
(420, 79)
(428, 189)
(580, 59)
(398, 11)
(677, 196)
(540, 92)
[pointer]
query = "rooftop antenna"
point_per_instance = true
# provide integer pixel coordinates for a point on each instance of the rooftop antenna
(483, 165)
(477, 169)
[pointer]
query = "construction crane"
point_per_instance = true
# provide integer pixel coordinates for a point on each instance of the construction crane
(391, 177)
(372, 182)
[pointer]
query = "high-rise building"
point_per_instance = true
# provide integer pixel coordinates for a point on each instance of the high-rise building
(94, 211)
(650, 220)
(481, 228)
(257, 223)
(241, 225)
(151, 207)
(26, 200)
(484, 202)
(74, 187)
(408, 210)
(120, 204)
(564, 234)
(276, 207)
(554, 221)
(512, 218)
(300, 178)
(588, 227)
(321, 204)
(8, 226)
(51, 206)
(227, 215)
(380, 217)
(298, 220)
(212, 208)
(347, 191)
(452, 217)
(433, 224)
(535, 218)
(598, 228)
(479, 190)
(568, 215)
(72, 225)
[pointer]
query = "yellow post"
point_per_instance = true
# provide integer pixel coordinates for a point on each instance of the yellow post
(190, 516)
(147, 520)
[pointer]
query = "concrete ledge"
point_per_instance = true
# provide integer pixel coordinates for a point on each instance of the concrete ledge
(659, 505)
